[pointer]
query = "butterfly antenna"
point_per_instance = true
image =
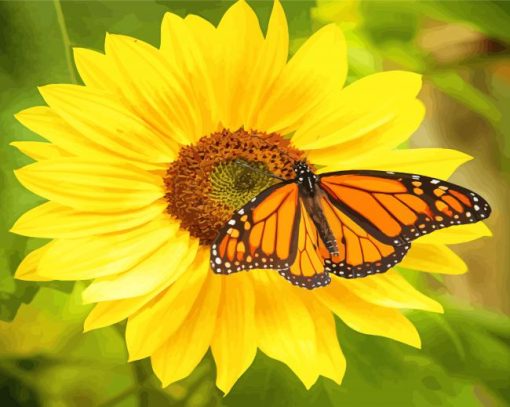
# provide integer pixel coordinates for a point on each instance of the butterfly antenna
(267, 174)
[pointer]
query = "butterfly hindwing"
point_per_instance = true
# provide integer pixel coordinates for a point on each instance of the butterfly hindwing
(397, 207)
(307, 270)
(262, 234)
(359, 252)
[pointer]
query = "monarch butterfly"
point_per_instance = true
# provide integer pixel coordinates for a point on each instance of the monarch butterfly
(349, 223)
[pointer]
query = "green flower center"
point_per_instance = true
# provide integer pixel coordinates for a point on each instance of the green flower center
(234, 184)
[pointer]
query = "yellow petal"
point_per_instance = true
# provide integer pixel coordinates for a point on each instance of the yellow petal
(234, 343)
(92, 186)
(182, 46)
(240, 40)
(285, 328)
(98, 116)
(378, 141)
(110, 312)
(95, 69)
(317, 70)
(367, 318)
(432, 162)
(144, 332)
(433, 258)
(390, 290)
(45, 122)
(457, 234)
(330, 359)
(182, 352)
(28, 268)
(152, 272)
(206, 40)
(51, 220)
(152, 89)
(96, 256)
(270, 63)
(362, 108)
(39, 151)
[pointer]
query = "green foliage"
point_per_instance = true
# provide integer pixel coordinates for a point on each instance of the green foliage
(465, 358)
(45, 359)
(461, 90)
(489, 16)
(472, 346)
(40, 60)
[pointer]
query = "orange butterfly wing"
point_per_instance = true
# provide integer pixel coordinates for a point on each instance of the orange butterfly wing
(307, 268)
(273, 231)
(396, 208)
(372, 215)
(261, 234)
(359, 252)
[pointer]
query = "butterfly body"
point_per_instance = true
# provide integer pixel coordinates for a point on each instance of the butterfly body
(348, 223)
(310, 195)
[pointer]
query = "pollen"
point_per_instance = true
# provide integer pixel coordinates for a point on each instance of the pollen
(221, 173)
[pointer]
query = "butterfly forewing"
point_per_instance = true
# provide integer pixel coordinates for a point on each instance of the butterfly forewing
(397, 207)
(262, 234)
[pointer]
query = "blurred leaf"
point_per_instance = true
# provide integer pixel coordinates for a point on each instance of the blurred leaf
(482, 343)
(362, 62)
(500, 88)
(44, 353)
(454, 85)
(345, 13)
(488, 16)
(23, 294)
(390, 21)
(15, 390)
(32, 54)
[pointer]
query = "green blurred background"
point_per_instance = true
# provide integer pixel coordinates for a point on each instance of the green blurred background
(461, 47)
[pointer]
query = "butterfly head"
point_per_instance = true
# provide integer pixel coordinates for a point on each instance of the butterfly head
(305, 177)
(301, 167)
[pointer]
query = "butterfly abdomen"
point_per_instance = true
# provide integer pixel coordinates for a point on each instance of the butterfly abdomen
(314, 208)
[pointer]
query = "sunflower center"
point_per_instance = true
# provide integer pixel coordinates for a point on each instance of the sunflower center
(221, 173)
(236, 182)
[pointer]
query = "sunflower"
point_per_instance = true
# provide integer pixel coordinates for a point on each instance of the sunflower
(139, 176)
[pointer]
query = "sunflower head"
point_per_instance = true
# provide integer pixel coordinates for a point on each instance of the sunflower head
(146, 161)
(220, 173)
